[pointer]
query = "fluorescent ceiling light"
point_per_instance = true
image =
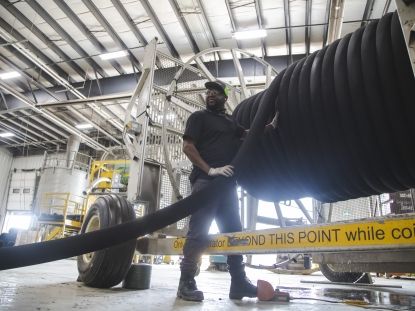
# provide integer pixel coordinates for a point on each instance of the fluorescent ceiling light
(112, 55)
(84, 126)
(6, 134)
(250, 34)
(9, 75)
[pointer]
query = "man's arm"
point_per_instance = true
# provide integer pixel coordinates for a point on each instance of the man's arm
(191, 152)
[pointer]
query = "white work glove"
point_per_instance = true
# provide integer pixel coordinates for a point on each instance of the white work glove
(226, 171)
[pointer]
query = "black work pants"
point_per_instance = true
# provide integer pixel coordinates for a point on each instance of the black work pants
(225, 210)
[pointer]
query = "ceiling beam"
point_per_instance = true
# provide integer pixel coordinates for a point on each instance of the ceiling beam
(42, 126)
(79, 95)
(98, 127)
(124, 84)
(156, 22)
(258, 10)
(3, 101)
(39, 120)
(20, 84)
(23, 59)
(228, 8)
(17, 81)
(129, 21)
(17, 135)
(206, 21)
(38, 84)
(182, 21)
(367, 12)
(24, 144)
(41, 36)
(308, 6)
(65, 36)
(87, 33)
(133, 27)
(51, 117)
(39, 131)
(6, 143)
(25, 131)
(233, 23)
(29, 46)
(288, 34)
(110, 30)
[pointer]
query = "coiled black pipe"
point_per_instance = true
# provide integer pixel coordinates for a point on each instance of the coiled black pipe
(344, 131)
(345, 122)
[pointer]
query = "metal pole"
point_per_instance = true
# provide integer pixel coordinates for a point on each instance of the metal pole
(304, 210)
(279, 214)
(330, 212)
(406, 13)
(135, 133)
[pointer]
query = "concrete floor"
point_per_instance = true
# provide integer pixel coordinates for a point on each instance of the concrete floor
(52, 286)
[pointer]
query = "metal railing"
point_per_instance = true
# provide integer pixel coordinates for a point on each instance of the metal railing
(367, 207)
(60, 214)
(78, 161)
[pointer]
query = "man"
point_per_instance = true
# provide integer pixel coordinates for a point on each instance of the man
(210, 141)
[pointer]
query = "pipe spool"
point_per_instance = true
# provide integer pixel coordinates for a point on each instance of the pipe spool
(345, 123)
(344, 131)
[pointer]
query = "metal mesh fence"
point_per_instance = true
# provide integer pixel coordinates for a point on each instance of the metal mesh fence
(368, 207)
(165, 61)
(190, 88)
(163, 78)
(175, 124)
(167, 198)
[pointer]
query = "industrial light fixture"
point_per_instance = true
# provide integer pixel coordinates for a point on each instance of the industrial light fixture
(6, 134)
(112, 55)
(250, 34)
(84, 126)
(9, 75)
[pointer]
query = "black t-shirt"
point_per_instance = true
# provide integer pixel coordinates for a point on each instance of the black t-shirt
(217, 137)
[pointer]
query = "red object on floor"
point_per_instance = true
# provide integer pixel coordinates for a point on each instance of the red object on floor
(265, 291)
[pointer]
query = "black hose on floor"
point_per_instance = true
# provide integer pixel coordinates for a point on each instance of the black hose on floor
(344, 131)
(36, 253)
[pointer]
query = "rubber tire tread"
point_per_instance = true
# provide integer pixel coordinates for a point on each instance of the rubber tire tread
(109, 266)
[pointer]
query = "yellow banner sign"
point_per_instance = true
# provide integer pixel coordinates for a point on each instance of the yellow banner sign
(387, 233)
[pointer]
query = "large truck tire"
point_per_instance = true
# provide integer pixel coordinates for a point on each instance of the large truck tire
(344, 277)
(108, 267)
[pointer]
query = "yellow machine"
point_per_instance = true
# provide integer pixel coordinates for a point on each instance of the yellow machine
(108, 175)
(62, 214)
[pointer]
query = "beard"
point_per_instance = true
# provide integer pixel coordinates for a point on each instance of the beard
(216, 106)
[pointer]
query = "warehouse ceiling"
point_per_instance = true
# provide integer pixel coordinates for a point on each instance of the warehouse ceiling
(55, 46)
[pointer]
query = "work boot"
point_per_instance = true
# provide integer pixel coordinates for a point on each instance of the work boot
(242, 287)
(188, 290)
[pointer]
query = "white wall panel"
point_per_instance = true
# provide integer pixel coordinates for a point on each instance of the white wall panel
(6, 160)
(21, 186)
(27, 163)
(22, 190)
